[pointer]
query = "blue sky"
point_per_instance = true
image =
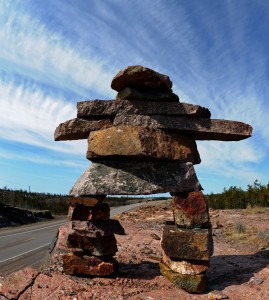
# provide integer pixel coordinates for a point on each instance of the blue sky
(55, 53)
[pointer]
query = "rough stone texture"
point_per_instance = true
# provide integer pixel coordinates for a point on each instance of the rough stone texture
(189, 283)
(134, 178)
(193, 267)
(86, 213)
(187, 244)
(217, 295)
(190, 210)
(12, 286)
(86, 201)
(139, 77)
(76, 129)
(136, 142)
(89, 265)
(110, 108)
(101, 246)
(147, 95)
(198, 128)
(95, 229)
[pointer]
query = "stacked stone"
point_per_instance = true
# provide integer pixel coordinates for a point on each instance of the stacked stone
(144, 143)
(90, 239)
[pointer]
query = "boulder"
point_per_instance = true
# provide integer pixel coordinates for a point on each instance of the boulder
(136, 178)
(187, 244)
(76, 129)
(136, 142)
(101, 246)
(189, 283)
(190, 210)
(141, 78)
(193, 267)
(87, 213)
(94, 229)
(89, 265)
(147, 95)
(198, 128)
(110, 108)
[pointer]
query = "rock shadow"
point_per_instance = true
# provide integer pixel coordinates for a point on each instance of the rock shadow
(226, 270)
(145, 270)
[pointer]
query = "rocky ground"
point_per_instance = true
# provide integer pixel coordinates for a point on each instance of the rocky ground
(239, 267)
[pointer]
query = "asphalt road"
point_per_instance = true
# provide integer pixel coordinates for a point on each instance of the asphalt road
(27, 245)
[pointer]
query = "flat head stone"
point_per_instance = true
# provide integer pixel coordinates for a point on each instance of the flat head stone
(190, 210)
(110, 108)
(77, 129)
(138, 143)
(198, 128)
(147, 95)
(136, 178)
(189, 283)
(89, 265)
(187, 244)
(139, 77)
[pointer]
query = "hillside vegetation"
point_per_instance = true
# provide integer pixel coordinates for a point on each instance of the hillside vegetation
(256, 195)
(56, 203)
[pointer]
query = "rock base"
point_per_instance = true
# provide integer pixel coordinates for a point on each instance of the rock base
(89, 265)
(189, 283)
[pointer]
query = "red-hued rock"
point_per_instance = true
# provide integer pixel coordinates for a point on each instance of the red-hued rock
(110, 108)
(77, 129)
(101, 246)
(89, 265)
(87, 200)
(198, 128)
(193, 267)
(86, 213)
(190, 210)
(14, 284)
(139, 143)
(139, 77)
(95, 229)
(187, 244)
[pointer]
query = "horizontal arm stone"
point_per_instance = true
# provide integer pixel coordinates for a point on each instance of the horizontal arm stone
(77, 129)
(198, 128)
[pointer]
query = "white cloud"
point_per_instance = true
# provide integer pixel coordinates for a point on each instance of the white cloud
(28, 47)
(28, 116)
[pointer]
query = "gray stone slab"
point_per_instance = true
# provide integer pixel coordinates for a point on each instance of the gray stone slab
(110, 108)
(77, 129)
(136, 178)
(198, 128)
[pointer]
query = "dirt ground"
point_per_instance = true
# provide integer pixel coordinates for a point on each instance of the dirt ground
(239, 267)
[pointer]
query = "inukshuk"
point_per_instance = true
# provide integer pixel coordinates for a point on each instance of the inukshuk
(143, 143)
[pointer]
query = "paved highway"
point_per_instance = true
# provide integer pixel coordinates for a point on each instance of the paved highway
(26, 245)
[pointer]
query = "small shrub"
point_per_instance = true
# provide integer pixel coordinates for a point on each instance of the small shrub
(240, 228)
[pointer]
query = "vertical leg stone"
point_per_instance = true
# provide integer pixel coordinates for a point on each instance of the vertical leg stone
(187, 244)
(91, 239)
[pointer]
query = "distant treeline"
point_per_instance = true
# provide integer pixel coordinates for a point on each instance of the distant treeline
(236, 198)
(56, 203)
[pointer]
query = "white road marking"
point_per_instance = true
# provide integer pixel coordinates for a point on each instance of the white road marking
(21, 254)
(32, 230)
